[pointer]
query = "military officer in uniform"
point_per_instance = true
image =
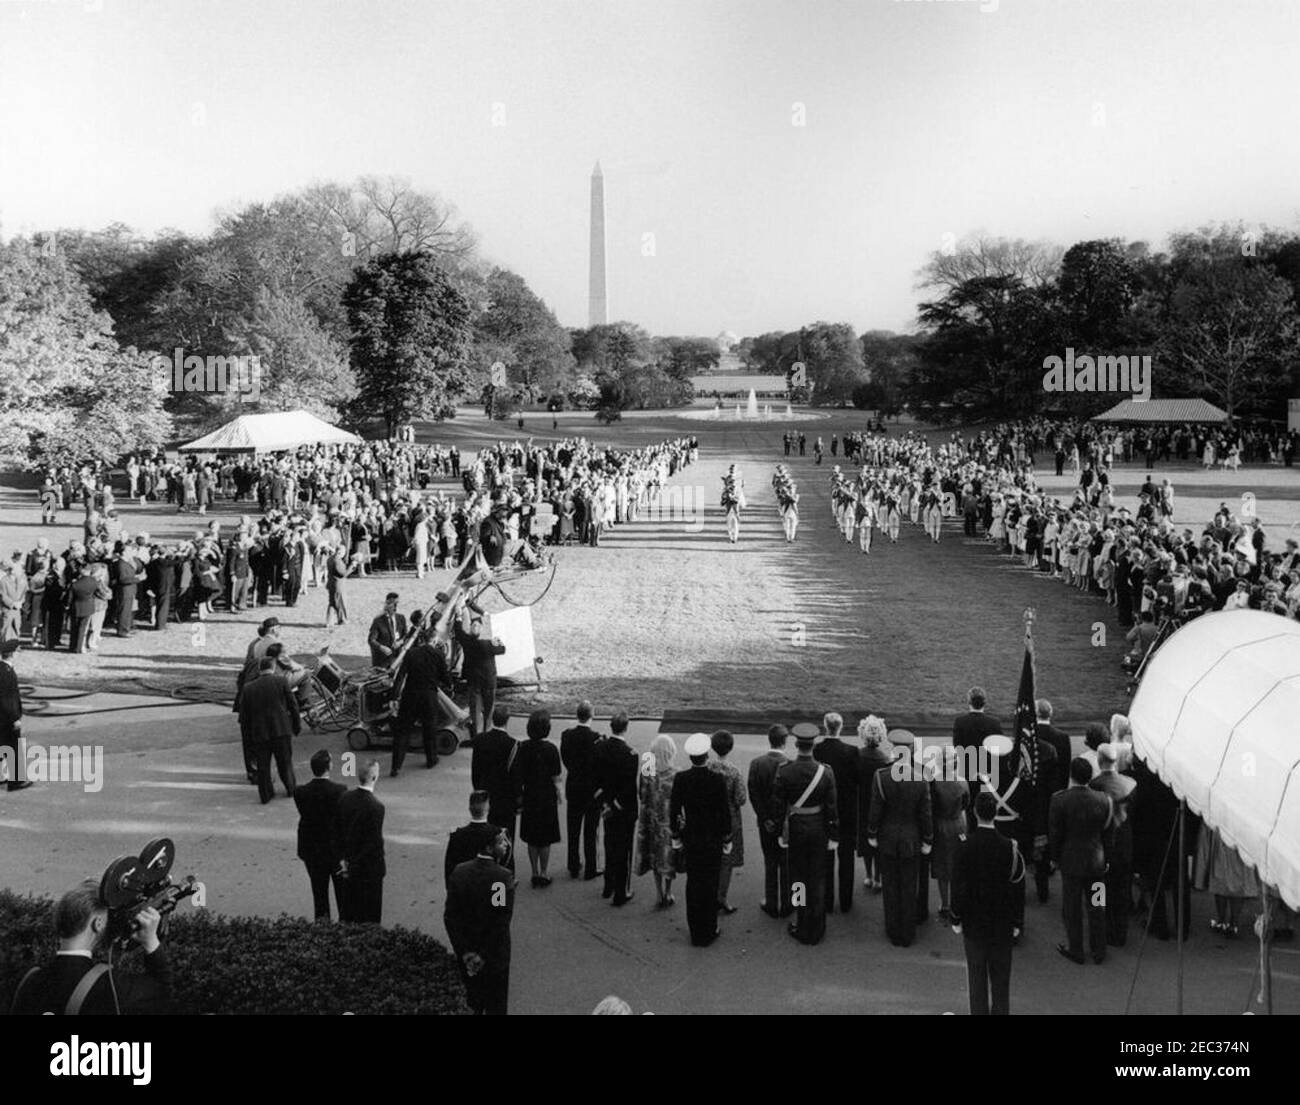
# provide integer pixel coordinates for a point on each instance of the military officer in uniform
(1021, 815)
(701, 828)
(805, 805)
(901, 829)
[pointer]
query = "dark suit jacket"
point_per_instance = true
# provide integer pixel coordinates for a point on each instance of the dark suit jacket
(762, 777)
(464, 844)
(843, 761)
(1060, 740)
(359, 833)
(479, 665)
(480, 904)
(318, 806)
(970, 729)
(381, 636)
(986, 869)
(50, 990)
(1075, 822)
(698, 811)
(577, 749)
(84, 592)
(489, 769)
(901, 815)
(268, 709)
(11, 703)
(615, 767)
(425, 671)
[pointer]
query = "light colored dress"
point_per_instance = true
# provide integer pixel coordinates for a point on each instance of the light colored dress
(654, 837)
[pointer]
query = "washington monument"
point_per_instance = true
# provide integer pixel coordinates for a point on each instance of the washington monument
(597, 306)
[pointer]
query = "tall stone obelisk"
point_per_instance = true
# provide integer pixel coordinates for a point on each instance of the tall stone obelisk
(597, 305)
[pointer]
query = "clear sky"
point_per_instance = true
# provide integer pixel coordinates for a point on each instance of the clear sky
(1063, 119)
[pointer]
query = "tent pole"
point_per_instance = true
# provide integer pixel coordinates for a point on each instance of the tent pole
(1266, 947)
(1182, 879)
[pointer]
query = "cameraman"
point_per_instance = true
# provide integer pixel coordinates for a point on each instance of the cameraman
(74, 983)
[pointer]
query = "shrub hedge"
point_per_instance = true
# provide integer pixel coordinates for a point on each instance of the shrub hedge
(249, 965)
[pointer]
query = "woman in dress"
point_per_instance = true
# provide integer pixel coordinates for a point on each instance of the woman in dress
(723, 742)
(1221, 871)
(654, 837)
(950, 794)
(876, 752)
(536, 777)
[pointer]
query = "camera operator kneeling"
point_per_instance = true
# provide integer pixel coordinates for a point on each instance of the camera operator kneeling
(74, 983)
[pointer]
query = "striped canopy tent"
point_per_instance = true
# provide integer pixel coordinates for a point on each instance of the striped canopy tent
(270, 433)
(1162, 410)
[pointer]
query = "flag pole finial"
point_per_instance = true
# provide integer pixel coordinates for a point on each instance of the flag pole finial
(1029, 624)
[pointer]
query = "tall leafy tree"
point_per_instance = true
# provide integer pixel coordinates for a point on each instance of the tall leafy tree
(302, 365)
(68, 392)
(411, 332)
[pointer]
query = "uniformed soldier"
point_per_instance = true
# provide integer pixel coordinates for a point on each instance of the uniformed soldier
(1018, 809)
(901, 829)
(805, 806)
(701, 827)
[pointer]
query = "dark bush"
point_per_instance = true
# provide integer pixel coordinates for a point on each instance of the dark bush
(257, 965)
(608, 414)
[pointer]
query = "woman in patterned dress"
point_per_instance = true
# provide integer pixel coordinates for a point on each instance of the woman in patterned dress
(723, 742)
(654, 837)
(950, 794)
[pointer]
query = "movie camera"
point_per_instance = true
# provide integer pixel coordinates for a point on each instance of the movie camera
(135, 883)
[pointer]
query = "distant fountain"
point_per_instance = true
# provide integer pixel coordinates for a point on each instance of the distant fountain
(788, 412)
(738, 414)
(752, 410)
(767, 413)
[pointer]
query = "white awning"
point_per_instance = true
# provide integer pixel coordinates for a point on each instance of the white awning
(1217, 717)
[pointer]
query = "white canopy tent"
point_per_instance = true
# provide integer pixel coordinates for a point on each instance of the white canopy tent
(1217, 717)
(270, 433)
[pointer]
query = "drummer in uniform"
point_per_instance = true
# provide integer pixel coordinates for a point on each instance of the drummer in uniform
(804, 805)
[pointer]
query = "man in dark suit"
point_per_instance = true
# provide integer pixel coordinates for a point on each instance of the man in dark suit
(843, 763)
(359, 838)
(466, 842)
(1048, 784)
(11, 714)
(701, 828)
(776, 860)
(614, 766)
(318, 804)
(490, 762)
(901, 828)
(479, 670)
(806, 810)
(1076, 820)
(582, 816)
(424, 673)
(268, 711)
(970, 729)
(125, 578)
(480, 906)
(84, 592)
(968, 733)
(161, 576)
(986, 870)
(387, 632)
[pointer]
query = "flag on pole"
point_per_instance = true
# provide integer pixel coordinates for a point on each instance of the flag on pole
(1025, 742)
